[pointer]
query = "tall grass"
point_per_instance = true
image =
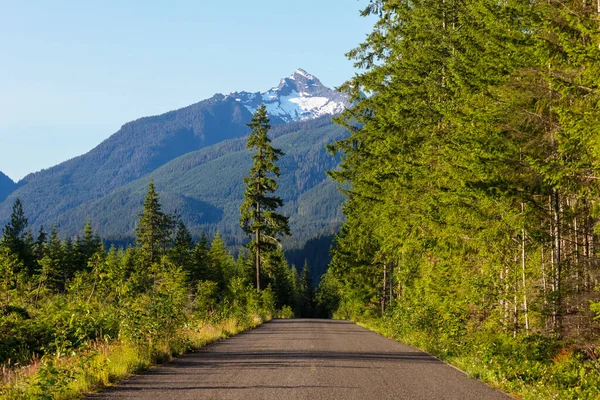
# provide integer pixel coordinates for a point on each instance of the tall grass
(106, 362)
(530, 367)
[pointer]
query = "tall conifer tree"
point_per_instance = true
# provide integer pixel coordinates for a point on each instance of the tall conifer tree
(16, 237)
(154, 227)
(183, 246)
(258, 217)
(13, 234)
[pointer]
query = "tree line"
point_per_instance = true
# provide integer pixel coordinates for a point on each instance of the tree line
(59, 295)
(471, 173)
(472, 166)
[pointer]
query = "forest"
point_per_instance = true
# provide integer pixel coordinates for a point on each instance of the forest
(75, 316)
(472, 173)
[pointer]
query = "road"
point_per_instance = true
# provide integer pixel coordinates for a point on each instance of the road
(304, 359)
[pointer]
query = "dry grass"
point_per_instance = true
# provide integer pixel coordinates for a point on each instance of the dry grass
(106, 363)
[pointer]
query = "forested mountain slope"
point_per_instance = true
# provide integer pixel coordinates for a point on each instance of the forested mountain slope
(206, 188)
(136, 149)
(197, 157)
(7, 186)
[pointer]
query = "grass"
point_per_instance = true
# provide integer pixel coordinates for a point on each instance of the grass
(528, 368)
(105, 363)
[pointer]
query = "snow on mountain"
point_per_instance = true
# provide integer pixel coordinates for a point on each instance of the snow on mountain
(301, 96)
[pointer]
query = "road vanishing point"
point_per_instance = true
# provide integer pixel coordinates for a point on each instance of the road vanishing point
(304, 359)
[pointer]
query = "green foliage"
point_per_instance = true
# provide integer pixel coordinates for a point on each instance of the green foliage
(204, 185)
(183, 246)
(16, 238)
(305, 306)
(153, 232)
(81, 298)
(280, 278)
(327, 296)
(595, 308)
(258, 216)
(221, 267)
(160, 312)
(470, 176)
(286, 312)
(206, 299)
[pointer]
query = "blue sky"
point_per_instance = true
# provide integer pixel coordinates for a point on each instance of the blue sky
(73, 72)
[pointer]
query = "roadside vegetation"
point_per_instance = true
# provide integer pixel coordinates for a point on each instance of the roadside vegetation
(75, 317)
(472, 181)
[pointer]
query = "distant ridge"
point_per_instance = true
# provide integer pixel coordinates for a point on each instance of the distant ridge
(7, 186)
(197, 158)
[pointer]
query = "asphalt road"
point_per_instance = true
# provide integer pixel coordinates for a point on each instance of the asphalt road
(304, 359)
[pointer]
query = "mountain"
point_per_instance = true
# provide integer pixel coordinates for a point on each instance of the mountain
(298, 97)
(197, 158)
(7, 186)
(137, 149)
(206, 188)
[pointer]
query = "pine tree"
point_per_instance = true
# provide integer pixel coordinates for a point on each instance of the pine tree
(9, 267)
(86, 246)
(15, 232)
(28, 255)
(258, 217)
(40, 243)
(277, 274)
(306, 299)
(221, 263)
(54, 268)
(199, 267)
(154, 228)
(183, 245)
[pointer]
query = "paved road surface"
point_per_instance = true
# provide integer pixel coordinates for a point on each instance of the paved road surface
(304, 359)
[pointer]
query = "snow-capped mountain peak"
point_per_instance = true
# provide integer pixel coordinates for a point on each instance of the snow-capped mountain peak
(302, 73)
(301, 96)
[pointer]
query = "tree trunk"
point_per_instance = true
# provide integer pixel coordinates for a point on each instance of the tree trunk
(525, 305)
(587, 253)
(557, 312)
(258, 260)
(383, 297)
(258, 245)
(391, 297)
(577, 259)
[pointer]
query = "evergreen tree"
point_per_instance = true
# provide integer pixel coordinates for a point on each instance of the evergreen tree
(85, 247)
(40, 243)
(9, 271)
(221, 263)
(153, 230)
(294, 279)
(258, 217)
(327, 296)
(306, 295)
(183, 246)
(199, 266)
(28, 255)
(14, 233)
(277, 276)
(54, 268)
(90, 243)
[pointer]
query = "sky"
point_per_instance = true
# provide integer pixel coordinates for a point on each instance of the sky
(73, 72)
